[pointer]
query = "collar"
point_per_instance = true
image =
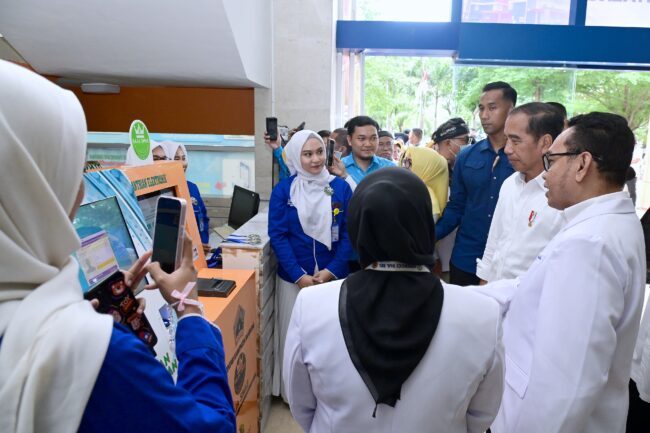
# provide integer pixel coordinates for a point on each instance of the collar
(349, 161)
(538, 180)
(613, 203)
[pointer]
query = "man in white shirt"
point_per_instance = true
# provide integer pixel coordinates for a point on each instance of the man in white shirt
(571, 323)
(523, 222)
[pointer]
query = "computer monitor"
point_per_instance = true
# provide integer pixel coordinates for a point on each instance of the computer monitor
(95, 223)
(244, 206)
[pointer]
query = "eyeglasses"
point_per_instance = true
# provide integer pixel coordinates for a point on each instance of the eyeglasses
(547, 162)
(464, 140)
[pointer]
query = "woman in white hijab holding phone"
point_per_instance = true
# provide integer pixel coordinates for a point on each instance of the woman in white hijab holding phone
(63, 366)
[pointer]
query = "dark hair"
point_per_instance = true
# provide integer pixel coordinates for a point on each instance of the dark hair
(338, 131)
(386, 134)
(608, 138)
(542, 119)
(402, 136)
(406, 131)
(508, 92)
(324, 133)
(561, 108)
(417, 132)
(352, 124)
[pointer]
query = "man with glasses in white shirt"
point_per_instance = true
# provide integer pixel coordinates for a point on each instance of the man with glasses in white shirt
(523, 222)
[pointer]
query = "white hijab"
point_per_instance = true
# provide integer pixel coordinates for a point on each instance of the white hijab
(53, 342)
(171, 147)
(308, 191)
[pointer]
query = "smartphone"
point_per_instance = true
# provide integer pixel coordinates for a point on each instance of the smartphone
(330, 152)
(300, 127)
(168, 233)
(272, 128)
(214, 287)
(116, 299)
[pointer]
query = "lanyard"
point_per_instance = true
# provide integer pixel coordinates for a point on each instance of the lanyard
(396, 267)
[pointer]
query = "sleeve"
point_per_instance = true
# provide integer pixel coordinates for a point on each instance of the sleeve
(641, 374)
(284, 170)
(501, 291)
(297, 381)
(134, 392)
(456, 207)
(484, 405)
(484, 268)
(279, 232)
(582, 300)
(339, 264)
(351, 182)
(205, 233)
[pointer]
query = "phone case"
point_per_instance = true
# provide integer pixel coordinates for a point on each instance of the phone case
(116, 299)
(181, 231)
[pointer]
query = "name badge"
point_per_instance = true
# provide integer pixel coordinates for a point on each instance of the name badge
(335, 233)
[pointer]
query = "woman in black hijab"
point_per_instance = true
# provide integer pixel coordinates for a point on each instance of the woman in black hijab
(389, 349)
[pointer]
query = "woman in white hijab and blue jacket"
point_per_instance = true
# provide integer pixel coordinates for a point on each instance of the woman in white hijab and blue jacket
(308, 231)
(389, 349)
(64, 367)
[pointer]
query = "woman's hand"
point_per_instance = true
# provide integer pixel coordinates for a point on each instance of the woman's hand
(306, 281)
(323, 277)
(338, 168)
(177, 280)
(272, 144)
(132, 279)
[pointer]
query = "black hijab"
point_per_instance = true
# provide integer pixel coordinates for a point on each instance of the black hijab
(389, 318)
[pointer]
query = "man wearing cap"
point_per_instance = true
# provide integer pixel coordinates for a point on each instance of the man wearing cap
(450, 138)
(386, 145)
(523, 222)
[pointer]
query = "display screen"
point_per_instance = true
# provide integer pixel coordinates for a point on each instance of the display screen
(148, 203)
(166, 234)
(243, 207)
(95, 223)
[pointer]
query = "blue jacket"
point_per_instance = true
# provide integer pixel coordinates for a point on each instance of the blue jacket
(284, 170)
(357, 172)
(475, 185)
(298, 253)
(200, 213)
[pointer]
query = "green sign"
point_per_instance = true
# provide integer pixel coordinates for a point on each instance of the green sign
(139, 135)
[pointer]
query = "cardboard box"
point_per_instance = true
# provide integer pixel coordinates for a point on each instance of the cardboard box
(237, 317)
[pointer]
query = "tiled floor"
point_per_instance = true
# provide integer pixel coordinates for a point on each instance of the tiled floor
(280, 420)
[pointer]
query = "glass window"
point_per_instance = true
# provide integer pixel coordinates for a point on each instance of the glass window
(616, 13)
(404, 10)
(517, 11)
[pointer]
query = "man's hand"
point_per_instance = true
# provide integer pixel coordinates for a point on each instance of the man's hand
(482, 282)
(272, 144)
(338, 168)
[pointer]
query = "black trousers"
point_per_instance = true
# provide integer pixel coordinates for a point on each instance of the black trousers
(638, 416)
(462, 278)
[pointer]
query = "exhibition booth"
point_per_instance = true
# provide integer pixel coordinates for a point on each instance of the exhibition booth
(115, 224)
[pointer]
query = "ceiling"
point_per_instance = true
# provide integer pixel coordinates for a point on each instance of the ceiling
(202, 43)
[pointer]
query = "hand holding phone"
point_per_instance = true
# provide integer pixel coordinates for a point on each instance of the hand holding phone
(114, 297)
(177, 280)
(168, 232)
(330, 152)
(272, 128)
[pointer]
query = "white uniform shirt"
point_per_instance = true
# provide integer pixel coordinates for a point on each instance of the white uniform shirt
(571, 324)
(523, 224)
(455, 388)
(641, 359)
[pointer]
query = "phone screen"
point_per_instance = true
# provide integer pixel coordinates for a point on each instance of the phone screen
(166, 233)
(272, 128)
(330, 152)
